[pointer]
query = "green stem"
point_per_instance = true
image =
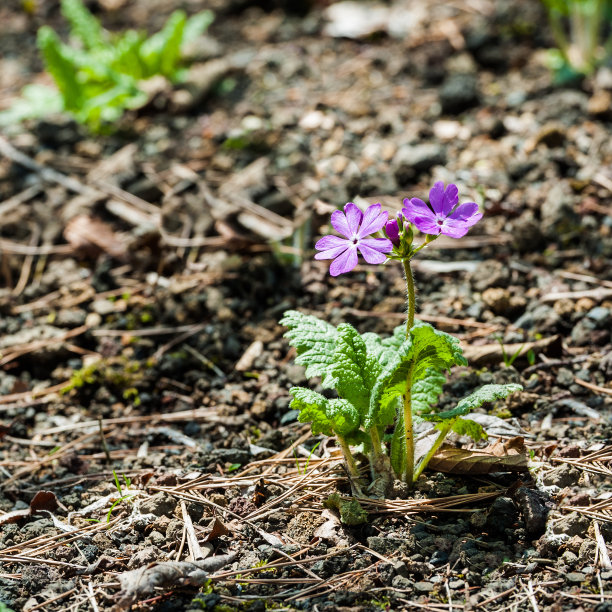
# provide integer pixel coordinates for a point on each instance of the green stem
(409, 295)
(432, 451)
(408, 432)
(348, 457)
(408, 428)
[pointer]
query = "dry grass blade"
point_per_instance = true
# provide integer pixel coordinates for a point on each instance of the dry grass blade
(596, 462)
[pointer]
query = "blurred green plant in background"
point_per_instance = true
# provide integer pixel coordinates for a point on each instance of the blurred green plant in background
(99, 75)
(582, 32)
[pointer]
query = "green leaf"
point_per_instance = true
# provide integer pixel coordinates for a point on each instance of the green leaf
(425, 392)
(325, 416)
(425, 350)
(36, 101)
(314, 340)
(60, 63)
(196, 26)
(467, 427)
(351, 511)
(83, 24)
(352, 372)
(486, 393)
(161, 53)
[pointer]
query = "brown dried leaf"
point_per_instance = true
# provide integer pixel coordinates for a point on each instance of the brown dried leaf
(145, 581)
(217, 529)
(93, 236)
(510, 456)
(43, 500)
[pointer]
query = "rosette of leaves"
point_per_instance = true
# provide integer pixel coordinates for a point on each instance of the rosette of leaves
(371, 376)
(99, 76)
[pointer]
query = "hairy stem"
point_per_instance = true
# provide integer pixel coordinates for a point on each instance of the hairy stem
(408, 432)
(348, 457)
(409, 295)
(408, 429)
(444, 429)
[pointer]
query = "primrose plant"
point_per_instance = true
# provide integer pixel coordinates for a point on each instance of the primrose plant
(385, 385)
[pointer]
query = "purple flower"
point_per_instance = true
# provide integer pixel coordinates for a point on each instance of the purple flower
(442, 219)
(355, 226)
(392, 231)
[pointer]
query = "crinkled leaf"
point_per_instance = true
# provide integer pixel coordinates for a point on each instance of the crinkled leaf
(352, 372)
(314, 340)
(162, 51)
(467, 427)
(395, 341)
(486, 393)
(425, 392)
(83, 24)
(426, 349)
(59, 62)
(325, 416)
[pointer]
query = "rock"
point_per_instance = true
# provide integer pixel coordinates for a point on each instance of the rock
(411, 161)
(572, 524)
(458, 93)
(161, 504)
(490, 273)
(502, 301)
(558, 216)
(144, 556)
(401, 582)
(230, 455)
(575, 577)
(439, 558)
(569, 558)
(600, 315)
(543, 318)
(302, 527)
(581, 332)
(424, 586)
(565, 377)
(532, 505)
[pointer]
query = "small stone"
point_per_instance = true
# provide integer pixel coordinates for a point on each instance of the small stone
(600, 103)
(458, 93)
(401, 582)
(600, 315)
(569, 558)
(161, 504)
(565, 377)
(575, 577)
(424, 586)
(456, 584)
(410, 161)
(572, 524)
(439, 557)
(563, 476)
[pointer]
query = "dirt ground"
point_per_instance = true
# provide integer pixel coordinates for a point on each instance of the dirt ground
(148, 454)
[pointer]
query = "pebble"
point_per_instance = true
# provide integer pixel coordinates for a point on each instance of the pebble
(572, 524)
(458, 93)
(411, 161)
(600, 315)
(563, 476)
(424, 586)
(575, 577)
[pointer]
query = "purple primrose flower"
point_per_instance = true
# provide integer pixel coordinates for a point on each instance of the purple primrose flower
(392, 230)
(442, 219)
(355, 226)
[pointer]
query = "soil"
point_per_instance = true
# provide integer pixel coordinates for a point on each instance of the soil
(144, 376)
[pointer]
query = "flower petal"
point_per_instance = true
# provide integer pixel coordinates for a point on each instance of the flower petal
(437, 200)
(374, 249)
(344, 262)
(392, 231)
(426, 225)
(373, 220)
(330, 242)
(451, 197)
(465, 211)
(454, 228)
(416, 208)
(340, 224)
(331, 247)
(354, 216)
